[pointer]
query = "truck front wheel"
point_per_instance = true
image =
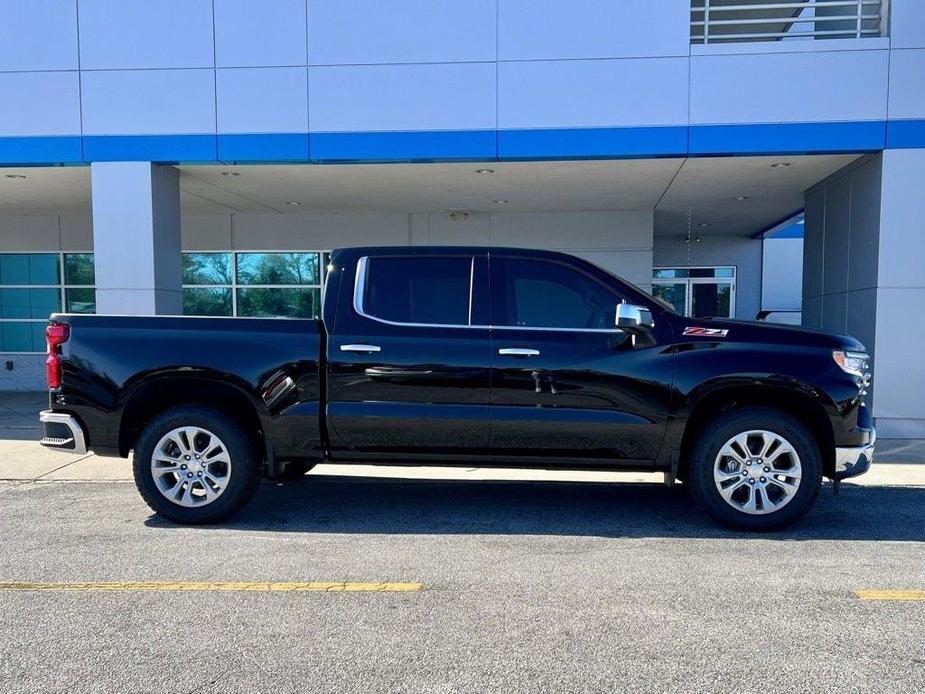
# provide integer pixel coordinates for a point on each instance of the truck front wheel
(194, 465)
(755, 468)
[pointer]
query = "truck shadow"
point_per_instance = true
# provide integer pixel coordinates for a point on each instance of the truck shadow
(329, 504)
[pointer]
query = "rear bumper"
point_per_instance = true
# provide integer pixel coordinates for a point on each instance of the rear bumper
(62, 431)
(851, 461)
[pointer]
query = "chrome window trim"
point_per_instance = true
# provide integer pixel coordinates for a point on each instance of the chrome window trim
(359, 284)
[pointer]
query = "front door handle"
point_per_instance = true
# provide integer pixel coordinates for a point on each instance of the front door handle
(518, 352)
(385, 372)
(365, 349)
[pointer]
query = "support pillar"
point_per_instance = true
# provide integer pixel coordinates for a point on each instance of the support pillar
(136, 238)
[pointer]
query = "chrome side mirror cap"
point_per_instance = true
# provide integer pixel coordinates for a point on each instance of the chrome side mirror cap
(630, 316)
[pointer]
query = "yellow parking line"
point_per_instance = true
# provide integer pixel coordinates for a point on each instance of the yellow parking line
(890, 594)
(216, 586)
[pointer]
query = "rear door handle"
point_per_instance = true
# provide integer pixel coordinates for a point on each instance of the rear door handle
(518, 352)
(365, 349)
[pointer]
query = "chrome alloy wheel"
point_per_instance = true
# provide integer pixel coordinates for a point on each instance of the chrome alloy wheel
(757, 472)
(191, 466)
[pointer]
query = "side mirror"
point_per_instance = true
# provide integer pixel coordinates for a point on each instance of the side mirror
(630, 316)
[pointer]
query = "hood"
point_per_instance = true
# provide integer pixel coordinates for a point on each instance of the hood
(757, 331)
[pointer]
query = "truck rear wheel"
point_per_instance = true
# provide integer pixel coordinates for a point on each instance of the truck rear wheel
(756, 469)
(194, 465)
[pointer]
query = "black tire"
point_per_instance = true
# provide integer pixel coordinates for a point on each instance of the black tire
(245, 467)
(700, 471)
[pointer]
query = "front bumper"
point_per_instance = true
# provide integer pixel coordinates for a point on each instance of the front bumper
(851, 461)
(62, 431)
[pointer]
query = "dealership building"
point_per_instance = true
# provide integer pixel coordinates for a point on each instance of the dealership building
(734, 157)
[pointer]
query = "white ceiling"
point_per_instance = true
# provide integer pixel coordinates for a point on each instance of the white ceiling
(708, 185)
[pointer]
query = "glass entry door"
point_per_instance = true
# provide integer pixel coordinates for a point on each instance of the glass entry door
(700, 292)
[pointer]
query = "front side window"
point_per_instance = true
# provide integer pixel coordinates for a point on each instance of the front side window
(544, 294)
(420, 289)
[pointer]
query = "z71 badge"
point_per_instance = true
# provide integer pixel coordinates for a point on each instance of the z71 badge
(706, 332)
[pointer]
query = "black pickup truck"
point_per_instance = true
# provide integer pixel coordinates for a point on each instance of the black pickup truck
(464, 356)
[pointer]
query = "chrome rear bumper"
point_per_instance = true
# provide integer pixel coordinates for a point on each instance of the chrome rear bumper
(62, 431)
(854, 460)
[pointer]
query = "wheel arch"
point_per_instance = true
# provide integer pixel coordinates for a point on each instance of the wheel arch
(794, 402)
(159, 393)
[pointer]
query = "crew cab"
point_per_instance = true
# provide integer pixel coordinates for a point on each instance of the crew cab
(464, 356)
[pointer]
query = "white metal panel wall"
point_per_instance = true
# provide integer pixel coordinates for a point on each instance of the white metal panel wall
(38, 35)
(262, 100)
(907, 82)
(789, 87)
(548, 29)
(907, 23)
(402, 97)
(162, 34)
(271, 33)
(781, 270)
(570, 93)
(39, 103)
(343, 32)
(148, 101)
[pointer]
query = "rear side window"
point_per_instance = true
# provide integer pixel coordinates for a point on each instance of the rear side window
(541, 294)
(419, 289)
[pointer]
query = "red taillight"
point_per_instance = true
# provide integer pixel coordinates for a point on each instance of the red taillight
(56, 334)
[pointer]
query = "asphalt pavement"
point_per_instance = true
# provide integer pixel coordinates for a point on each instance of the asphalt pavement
(459, 581)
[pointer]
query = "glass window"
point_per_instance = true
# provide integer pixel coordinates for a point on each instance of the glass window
(29, 303)
(278, 268)
(675, 293)
(288, 302)
(541, 294)
(207, 301)
(418, 289)
(207, 268)
(80, 300)
(31, 288)
(669, 273)
(78, 269)
(29, 268)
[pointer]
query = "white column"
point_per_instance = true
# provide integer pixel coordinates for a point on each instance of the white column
(899, 370)
(136, 238)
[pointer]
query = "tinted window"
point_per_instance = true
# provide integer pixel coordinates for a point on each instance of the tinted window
(540, 294)
(418, 289)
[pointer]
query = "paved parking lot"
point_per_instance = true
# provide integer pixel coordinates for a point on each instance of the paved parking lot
(525, 584)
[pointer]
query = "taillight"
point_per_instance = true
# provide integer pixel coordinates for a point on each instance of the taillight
(56, 334)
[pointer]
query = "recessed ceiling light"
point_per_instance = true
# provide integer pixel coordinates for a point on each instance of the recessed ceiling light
(740, 197)
(501, 202)
(230, 173)
(703, 225)
(293, 203)
(484, 171)
(14, 175)
(780, 164)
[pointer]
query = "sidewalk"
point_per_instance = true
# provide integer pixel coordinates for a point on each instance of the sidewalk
(22, 458)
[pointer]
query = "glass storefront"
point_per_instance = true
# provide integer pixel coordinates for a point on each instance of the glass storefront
(699, 292)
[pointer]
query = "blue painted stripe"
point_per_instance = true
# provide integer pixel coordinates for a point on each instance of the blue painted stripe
(905, 134)
(473, 145)
(157, 148)
(65, 149)
(263, 147)
(788, 138)
(591, 143)
(441, 145)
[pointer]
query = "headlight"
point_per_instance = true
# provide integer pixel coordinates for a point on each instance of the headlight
(854, 363)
